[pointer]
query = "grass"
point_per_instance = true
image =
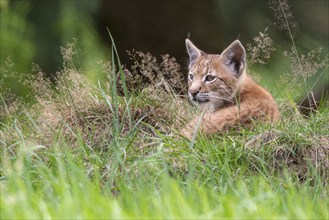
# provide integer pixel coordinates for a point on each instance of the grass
(72, 195)
(214, 180)
(85, 152)
(109, 151)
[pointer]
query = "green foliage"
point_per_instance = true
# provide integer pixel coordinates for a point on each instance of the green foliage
(16, 35)
(31, 35)
(16, 43)
(75, 23)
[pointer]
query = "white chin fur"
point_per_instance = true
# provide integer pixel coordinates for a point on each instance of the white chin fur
(211, 106)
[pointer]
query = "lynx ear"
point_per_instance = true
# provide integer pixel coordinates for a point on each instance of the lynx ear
(192, 51)
(234, 57)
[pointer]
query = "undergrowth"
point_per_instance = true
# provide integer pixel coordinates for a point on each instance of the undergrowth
(113, 150)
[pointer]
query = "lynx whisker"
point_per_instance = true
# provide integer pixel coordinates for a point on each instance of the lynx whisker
(220, 97)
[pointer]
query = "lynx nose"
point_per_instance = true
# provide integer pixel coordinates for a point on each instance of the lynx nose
(193, 92)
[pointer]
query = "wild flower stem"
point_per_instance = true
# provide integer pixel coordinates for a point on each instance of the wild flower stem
(197, 129)
(74, 106)
(305, 78)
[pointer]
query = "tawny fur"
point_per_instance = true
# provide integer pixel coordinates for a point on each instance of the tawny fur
(228, 98)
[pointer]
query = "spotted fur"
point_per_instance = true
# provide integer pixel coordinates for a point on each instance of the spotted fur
(219, 85)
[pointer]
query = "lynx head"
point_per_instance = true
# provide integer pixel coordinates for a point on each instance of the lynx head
(214, 79)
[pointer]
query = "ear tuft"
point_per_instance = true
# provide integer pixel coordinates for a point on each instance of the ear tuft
(234, 57)
(192, 51)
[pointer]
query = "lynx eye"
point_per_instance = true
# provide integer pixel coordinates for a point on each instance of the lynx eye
(210, 78)
(190, 76)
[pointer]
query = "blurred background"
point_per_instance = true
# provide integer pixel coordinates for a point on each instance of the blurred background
(33, 31)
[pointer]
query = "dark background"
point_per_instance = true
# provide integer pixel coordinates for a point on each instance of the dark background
(33, 31)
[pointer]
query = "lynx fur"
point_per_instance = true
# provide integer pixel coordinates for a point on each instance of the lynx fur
(226, 95)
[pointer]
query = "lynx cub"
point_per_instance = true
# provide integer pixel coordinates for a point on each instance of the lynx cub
(219, 85)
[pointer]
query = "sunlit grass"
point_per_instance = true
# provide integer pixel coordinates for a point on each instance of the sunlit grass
(56, 182)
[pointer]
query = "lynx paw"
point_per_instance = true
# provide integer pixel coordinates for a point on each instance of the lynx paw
(188, 133)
